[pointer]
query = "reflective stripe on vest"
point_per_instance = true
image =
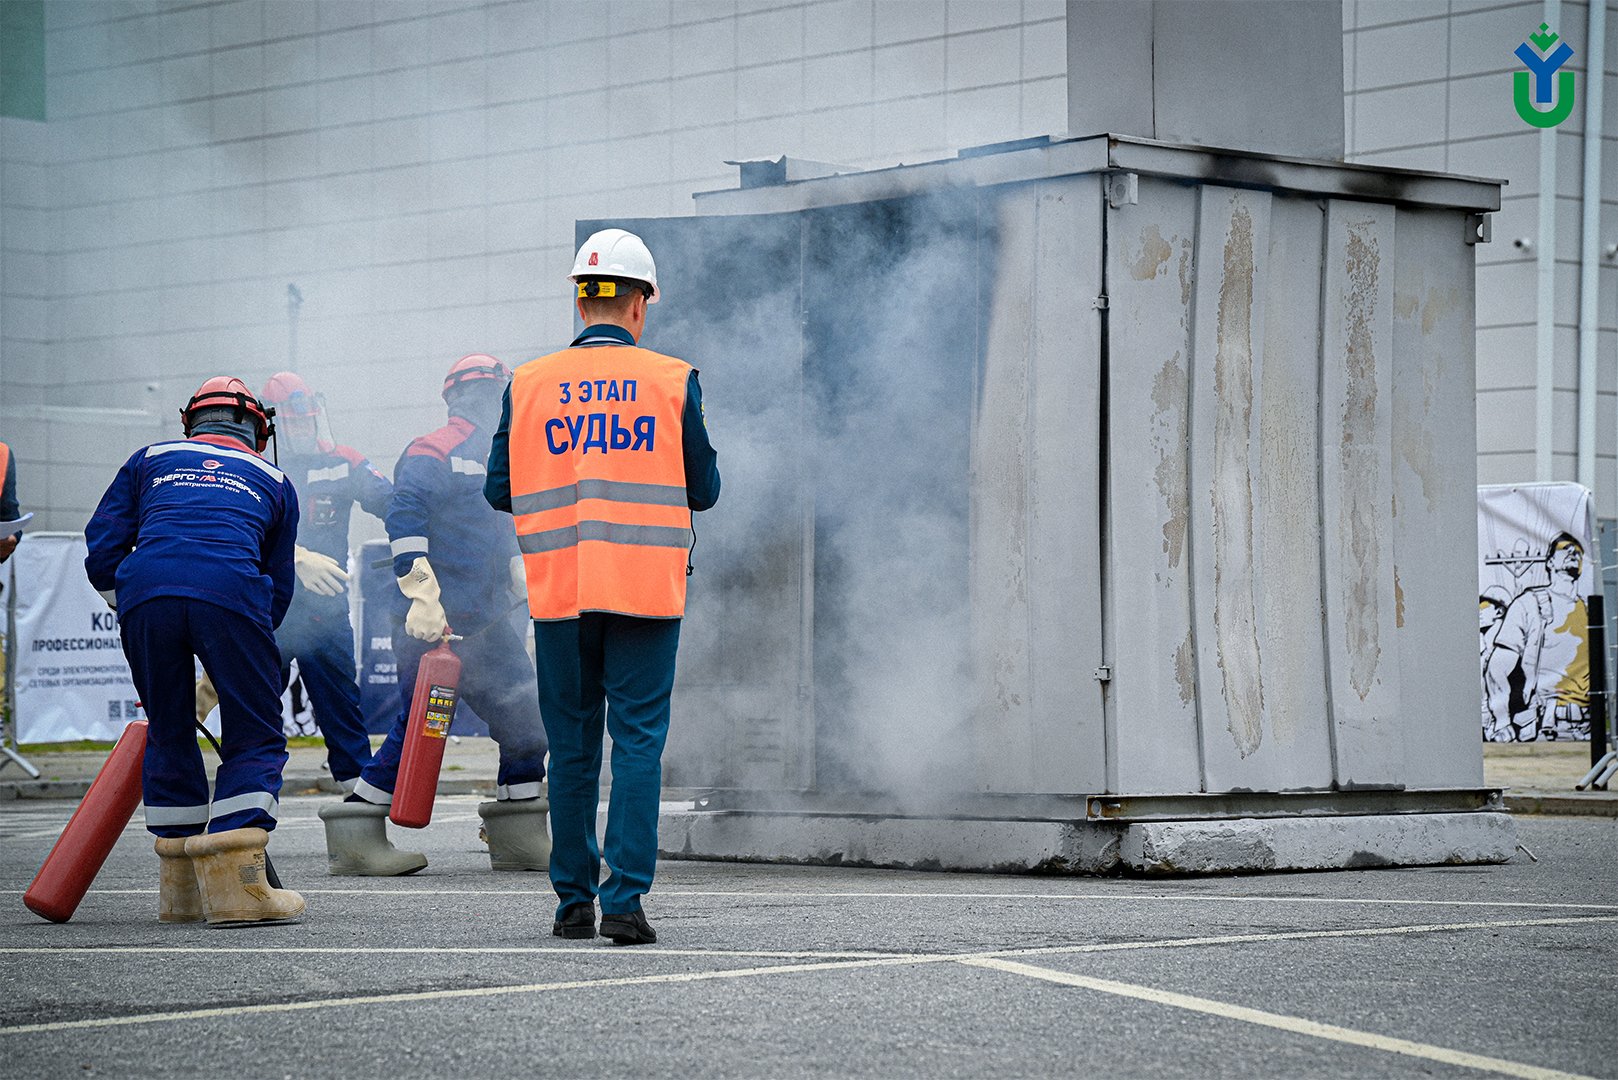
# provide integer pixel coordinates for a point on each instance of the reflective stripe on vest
(598, 482)
(615, 490)
(609, 532)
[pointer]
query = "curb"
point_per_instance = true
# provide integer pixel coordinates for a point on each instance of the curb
(1570, 803)
(1529, 802)
(13, 790)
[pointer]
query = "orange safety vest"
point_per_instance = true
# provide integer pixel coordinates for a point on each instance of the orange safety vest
(5, 465)
(598, 482)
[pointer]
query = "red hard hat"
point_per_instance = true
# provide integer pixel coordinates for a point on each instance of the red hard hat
(224, 391)
(290, 395)
(473, 367)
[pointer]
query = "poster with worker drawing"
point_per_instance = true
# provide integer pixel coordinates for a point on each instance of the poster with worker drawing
(1537, 561)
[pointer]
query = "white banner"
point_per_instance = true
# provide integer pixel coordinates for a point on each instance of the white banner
(1537, 561)
(72, 679)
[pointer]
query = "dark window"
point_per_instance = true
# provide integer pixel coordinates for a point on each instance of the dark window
(22, 59)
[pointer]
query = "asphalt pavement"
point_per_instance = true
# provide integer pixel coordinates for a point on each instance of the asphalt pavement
(818, 971)
(1537, 778)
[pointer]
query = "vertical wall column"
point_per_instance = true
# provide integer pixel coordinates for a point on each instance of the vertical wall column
(1357, 363)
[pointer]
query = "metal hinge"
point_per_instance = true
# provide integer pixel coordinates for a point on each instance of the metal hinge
(1479, 229)
(1104, 673)
(1123, 189)
(1100, 302)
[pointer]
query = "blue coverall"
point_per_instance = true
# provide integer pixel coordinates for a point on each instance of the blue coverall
(193, 541)
(438, 511)
(608, 671)
(317, 632)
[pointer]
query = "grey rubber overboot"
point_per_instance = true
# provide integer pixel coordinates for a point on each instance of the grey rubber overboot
(357, 843)
(515, 830)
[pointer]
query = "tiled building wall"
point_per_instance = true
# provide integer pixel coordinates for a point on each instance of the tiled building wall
(1429, 87)
(415, 169)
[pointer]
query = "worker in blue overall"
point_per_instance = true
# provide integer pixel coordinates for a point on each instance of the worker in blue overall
(459, 572)
(601, 457)
(331, 480)
(193, 546)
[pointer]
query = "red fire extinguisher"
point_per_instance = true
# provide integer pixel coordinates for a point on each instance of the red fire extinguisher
(92, 831)
(438, 678)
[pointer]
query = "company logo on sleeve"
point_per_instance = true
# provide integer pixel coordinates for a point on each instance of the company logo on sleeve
(1544, 93)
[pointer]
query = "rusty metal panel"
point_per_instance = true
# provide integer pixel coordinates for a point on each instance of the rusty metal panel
(1035, 513)
(1228, 308)
(1152, 734)
(1357, 362)
(1254, 495)
(1295, 751)
(1434, 509)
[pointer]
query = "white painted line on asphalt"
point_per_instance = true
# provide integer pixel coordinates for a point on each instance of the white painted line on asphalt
(1280, 1021)
(1131, 897)
(900, 960)
(451, 950)
(544, 890)
(1033, 950)
(1301, 935)
(444, 995)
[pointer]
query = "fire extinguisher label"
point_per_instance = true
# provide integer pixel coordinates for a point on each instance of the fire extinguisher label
(440, 711)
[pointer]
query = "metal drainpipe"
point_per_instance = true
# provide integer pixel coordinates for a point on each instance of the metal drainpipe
(1595, 65)
(1545, 316)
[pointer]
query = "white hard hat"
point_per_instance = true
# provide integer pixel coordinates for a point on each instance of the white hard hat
(618, 254)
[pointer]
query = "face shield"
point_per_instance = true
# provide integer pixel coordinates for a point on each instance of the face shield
(303, 421)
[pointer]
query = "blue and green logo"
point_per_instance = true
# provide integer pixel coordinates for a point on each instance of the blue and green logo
(1550, 85)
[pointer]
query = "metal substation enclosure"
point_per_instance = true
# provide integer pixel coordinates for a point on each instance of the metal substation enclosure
(1088, 504)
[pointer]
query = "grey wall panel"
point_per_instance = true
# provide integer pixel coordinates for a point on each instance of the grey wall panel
(1357, 361)
(1064, 506)
(1435, 509)
(1109, 68)
(1004, 717)
(1153, 739)
(1296, 750)
(1206, 90)
(1228, 303)
(1035, 513)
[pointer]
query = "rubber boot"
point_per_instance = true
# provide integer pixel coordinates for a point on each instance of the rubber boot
(178, 898)
(515, 830)
(357, 843)
(230, 874)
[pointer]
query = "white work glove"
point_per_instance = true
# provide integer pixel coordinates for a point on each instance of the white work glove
(519, 576)
(425, 620)
(319, 573)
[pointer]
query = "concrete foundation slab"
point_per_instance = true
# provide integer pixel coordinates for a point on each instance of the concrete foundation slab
(1238, 845)
(1317, 843)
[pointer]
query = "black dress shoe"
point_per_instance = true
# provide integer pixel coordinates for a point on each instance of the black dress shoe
(577, 921)
(629, 929)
